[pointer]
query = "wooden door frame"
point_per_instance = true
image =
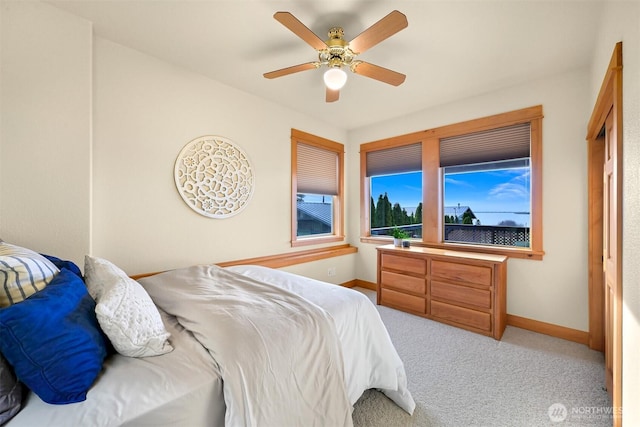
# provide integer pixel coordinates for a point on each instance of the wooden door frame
(609, 101)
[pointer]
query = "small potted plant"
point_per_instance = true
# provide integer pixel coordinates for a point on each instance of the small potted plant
(398, 236)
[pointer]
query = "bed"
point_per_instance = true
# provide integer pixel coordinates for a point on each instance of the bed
(249, 346)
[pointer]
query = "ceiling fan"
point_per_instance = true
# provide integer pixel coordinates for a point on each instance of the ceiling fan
(336, 52)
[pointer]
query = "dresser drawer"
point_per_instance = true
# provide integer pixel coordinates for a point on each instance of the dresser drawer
(480, 298)
(403, 301)
(476, 274)
(406, 264)
(461, 315)
(403, 282)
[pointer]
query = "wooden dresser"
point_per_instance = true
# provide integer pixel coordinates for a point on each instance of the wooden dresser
(463, 289)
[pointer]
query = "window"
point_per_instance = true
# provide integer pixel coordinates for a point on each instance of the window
(481, 184)
(487, 187)
(395, 182)
(317, 189)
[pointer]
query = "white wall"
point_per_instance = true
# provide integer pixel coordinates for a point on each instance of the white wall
(45, 129)
(145, 111)
(621, 22)
(553, 290)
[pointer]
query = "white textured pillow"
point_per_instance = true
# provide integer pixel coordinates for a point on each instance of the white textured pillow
(126, 313)
(23, 272)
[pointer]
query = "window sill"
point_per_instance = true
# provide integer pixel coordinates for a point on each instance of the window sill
(316, 240)
(511, 252)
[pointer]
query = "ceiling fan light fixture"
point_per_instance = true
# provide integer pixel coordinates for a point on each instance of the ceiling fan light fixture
(335, 78)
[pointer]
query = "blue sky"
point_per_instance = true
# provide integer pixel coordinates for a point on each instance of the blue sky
(506, 190)
(500, 190)
(405, 188)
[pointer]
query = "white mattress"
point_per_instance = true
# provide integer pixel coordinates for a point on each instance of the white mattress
(181, 388)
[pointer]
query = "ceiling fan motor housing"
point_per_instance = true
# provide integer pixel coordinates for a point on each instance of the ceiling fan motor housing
(337, 52)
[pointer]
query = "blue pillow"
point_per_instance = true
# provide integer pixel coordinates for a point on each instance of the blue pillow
(63, 263)
(53, 341)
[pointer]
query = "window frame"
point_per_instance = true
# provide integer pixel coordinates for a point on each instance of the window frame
(432, 182)
(300, 137)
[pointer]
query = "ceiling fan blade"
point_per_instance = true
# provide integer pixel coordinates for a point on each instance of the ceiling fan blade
(290, 70)
(332, 95)
(299, 29)
(383, 29)
(379, 73)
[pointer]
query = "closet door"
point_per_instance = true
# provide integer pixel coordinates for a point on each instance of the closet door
(604, 133)
(611, 257)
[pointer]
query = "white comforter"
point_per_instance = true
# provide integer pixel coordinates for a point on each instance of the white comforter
(279, 356)
(370, 359)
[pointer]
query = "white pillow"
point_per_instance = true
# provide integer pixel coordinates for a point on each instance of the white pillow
(23, 273)
(126, 313)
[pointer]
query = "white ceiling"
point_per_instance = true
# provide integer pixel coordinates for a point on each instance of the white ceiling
(451, 50)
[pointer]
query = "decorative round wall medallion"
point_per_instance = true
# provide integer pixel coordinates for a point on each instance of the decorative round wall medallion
(214, 176)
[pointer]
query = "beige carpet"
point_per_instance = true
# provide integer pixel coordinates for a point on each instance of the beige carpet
(459, 378)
